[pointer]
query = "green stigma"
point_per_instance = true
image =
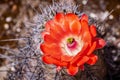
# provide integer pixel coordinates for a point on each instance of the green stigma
(70, 40)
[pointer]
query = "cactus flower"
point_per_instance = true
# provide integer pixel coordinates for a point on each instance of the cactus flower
(70, 42)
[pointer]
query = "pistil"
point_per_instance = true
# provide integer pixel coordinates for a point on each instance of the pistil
(71, 43)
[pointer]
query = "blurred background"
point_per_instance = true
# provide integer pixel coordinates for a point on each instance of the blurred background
(14, 13)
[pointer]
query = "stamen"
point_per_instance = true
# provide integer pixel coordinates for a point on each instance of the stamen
(70, 40)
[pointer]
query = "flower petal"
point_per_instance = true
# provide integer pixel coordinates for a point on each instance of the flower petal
(69, 18)
(44, 33)
(58, 28)
(84, 22)
(59, 18)
(92, 48)
(49, 39)
(84, 18)
(93, 30)
(60, 23)
(72, 70)
(66, 28)
(86, 37)
(48, 25)
(55, 30)
(75, 27)
(55, 34)
(82, 61)
(52, 25)
(50, 60)
(51, 50)
(66, 58)
(85, 33)
(92, 59)
(100, 43)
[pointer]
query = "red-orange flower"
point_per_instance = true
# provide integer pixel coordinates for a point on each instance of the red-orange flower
(69, 42)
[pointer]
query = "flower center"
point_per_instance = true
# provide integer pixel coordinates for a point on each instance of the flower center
(71, 43)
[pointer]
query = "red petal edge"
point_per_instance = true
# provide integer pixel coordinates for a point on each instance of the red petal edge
(72, 70)
(92, 59)
(100, 43)
(93, 30)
